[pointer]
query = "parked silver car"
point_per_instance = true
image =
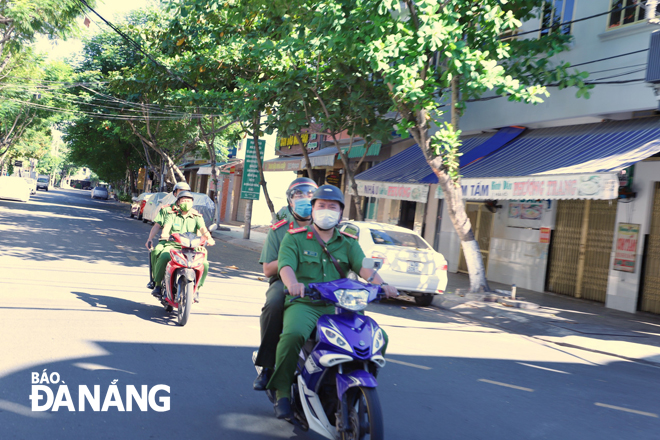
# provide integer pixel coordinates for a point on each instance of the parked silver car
(100, 192)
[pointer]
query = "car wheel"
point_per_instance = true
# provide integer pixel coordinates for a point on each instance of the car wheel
(424, 300)
(144, 220)
(132, 215)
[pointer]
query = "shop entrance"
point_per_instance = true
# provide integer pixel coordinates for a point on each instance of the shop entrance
(482, 227)
(407, 219)
(581, 248)
(651, 288)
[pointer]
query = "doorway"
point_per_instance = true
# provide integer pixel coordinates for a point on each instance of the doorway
(407, 218)
(651, 287)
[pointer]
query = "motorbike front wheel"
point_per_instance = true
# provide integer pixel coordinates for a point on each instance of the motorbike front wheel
(185, 291)
(364, 415)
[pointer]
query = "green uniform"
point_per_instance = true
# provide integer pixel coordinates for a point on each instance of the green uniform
(160, 219)
(273, 310)
(303, 253)
(180, 222)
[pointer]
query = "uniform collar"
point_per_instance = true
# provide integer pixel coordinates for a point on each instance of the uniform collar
(335, 234)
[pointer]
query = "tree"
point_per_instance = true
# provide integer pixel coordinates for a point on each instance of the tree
(435, 54)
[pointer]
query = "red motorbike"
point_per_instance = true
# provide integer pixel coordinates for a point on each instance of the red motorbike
(183, 273)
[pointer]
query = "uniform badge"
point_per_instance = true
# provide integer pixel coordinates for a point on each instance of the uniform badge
(310, 253)
(310, 235)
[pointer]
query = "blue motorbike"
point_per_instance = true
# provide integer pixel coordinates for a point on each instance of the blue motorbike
(334, 391)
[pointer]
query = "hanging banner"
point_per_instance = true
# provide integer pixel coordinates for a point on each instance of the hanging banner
(396, 191)
(594, 186)
(626, 247)
(250, 187)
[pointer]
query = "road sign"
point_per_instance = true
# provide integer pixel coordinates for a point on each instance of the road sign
(250, 187)
(18, 163)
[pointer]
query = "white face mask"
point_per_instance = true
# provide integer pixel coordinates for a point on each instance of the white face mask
(325, 218)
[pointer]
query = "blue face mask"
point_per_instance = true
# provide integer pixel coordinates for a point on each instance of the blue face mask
(303, 207)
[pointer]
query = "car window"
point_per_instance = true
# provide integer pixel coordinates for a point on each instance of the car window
(42, 180)
(351, 229)
(396, 238)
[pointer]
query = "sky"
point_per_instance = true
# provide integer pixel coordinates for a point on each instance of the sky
(111, 10)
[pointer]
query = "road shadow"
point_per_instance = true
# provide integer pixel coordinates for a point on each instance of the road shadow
(153, 313)
(447, 397)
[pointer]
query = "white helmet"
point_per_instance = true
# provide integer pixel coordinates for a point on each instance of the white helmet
(181, 185)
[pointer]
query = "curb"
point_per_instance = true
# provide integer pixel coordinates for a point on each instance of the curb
(251, 246)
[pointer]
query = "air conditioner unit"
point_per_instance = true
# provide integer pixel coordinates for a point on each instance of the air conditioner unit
(653, 63)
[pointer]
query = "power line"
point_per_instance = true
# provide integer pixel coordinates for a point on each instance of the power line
(634, 5)
(617, 68)
(137, 46)
(610, 58)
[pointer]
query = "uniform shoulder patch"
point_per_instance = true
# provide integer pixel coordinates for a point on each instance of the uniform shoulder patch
(296, 230)
(348, 235)
(278, 225)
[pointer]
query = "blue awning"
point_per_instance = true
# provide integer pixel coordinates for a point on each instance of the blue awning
(410, 166)
(497, 141)
(590, 148)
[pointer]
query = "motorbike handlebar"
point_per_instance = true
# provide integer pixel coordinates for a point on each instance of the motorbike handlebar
(309, 293)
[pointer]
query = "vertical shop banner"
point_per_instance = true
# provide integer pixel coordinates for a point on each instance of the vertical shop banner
(626, 247)
(250, 187)
(544, 235)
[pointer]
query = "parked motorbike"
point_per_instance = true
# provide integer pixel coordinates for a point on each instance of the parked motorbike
(183, 273)
(334, 391)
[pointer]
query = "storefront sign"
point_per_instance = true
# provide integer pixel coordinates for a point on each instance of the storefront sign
(250, 187)
(595, 186)
(396, 191)
(626, 247)
(333, 179)
(284, 165)
(544, 236)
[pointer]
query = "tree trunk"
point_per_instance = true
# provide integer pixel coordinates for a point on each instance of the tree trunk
(255, 126)
(248, 219)
(308, 163)
(351, 180)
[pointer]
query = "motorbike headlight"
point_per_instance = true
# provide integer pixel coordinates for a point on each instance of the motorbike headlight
(354, 300)
(336, 338)
(379, 341)
(199, 258)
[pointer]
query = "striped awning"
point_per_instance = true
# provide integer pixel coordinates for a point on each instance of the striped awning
(324, 157)
(590, 148)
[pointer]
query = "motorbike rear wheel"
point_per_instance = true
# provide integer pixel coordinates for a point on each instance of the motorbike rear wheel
(365, 415)
(185, 292)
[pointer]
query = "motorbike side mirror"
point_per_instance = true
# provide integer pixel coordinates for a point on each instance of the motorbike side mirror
(372, 263)
(213, 227)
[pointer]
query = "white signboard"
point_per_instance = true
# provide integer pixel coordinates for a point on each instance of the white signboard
(595, 186)
(396, 191)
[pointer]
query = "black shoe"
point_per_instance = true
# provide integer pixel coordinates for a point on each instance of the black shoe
(262, 380)
(283, 408)
(151, 285)
(157, 292)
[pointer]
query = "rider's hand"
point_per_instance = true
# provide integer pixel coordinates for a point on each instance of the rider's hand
(210, 242)
(150, 245)
(297, 289)
(390, 291)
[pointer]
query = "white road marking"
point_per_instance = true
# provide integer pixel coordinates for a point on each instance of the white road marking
(111, 239)
(407, 364)
(515, 387)
(634, 411)
(647, 323)
(132, 258)
(543, 368)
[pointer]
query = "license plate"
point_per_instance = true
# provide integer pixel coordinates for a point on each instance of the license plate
(414, 267)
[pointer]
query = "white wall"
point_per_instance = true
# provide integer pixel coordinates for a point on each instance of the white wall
(592, 41)
(623, 287)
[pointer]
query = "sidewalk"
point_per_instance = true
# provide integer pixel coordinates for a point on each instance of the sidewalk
(560, 320)
(234, 235)
(549, 317)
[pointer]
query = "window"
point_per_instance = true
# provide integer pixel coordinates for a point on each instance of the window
(395, 238)
(554, 13)
(627, 12)
(351, 229)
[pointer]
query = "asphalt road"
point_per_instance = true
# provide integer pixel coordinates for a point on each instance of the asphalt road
(73, 302)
